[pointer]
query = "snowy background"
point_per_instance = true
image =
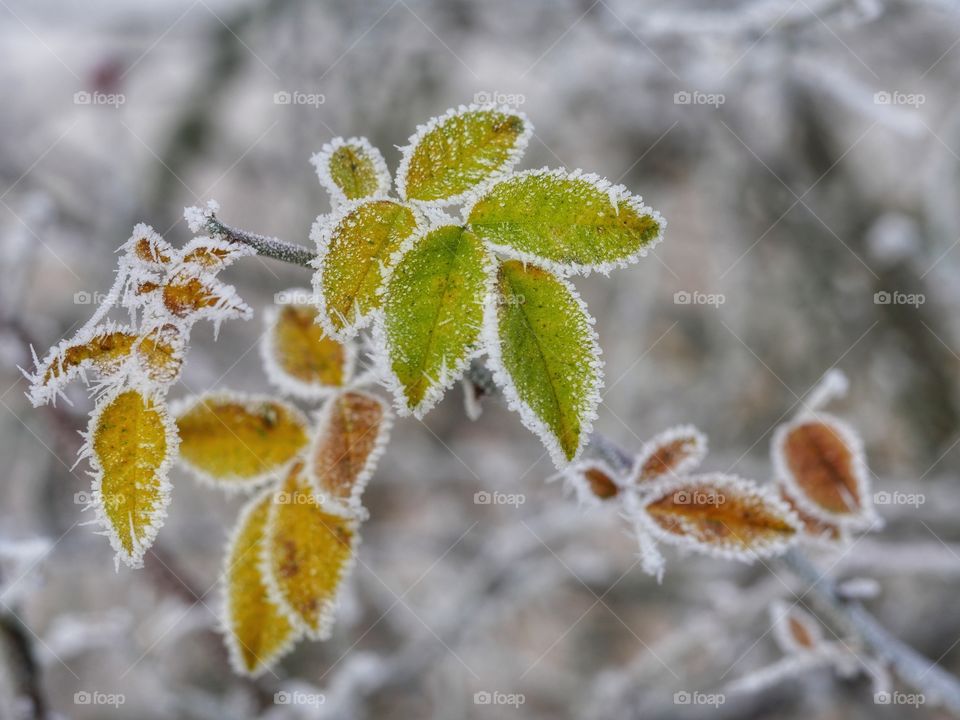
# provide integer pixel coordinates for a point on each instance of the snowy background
(807, 156)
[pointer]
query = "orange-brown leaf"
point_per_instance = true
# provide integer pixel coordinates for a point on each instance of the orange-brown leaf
(672, 453)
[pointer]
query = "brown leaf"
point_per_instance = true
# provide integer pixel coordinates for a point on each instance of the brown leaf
(673, 452)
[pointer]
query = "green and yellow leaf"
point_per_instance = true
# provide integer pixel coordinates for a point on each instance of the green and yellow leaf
(354, 249)
(238, 441)
(308, 554)
(257, 633)
(566, 222)
(299, 357)
(350, 437)
(351, 169)
(131, 442)
(433, 315)
(545, 355)
(452, 155)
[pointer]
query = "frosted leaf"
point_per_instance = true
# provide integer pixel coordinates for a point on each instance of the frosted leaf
(433, 315)
(131, 442)
(351, 169)
(718, 514)
(544, 353)
(308, 554)
(355, 248)
(820, 462)
(594, 481)
(238, 441)
(197, 217)
(456, 152)
(298, 356)
(351, 435)
(672, 453)
(256, 632)
(815, 530)
(213, 254)
(794, 629)
(565, 222)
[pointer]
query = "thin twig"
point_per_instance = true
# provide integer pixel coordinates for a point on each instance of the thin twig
(914, 669)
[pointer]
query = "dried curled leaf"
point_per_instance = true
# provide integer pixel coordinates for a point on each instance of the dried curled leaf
(795, 630)
(213, 254)
(594, 481)
(672, 453)
(299, 357)
(453, 154)
(433, 315)
(256, 632)
(720, 515)
(544, 353)
(351, 434)
(566, 222)
(354, 249)
(131, 442)
(351, 169)
(238, 441)
(308, 554)
(821, 464)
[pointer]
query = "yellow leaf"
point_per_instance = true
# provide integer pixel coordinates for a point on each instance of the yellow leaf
(308, 554)
(160, 353)
(351, 435)
(213, 254)
(257, 633)
(351, 169)
(721, 515)
(298, 355)
(238, 441)
(131, 443)
(187, 295)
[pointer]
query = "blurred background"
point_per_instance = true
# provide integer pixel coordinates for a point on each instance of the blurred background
(806, 154)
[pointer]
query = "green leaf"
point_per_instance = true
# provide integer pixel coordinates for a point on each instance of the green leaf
(451, 155)
(566, 222)
(351, 169)
(353, 249)
(433, 315)
(545, 355)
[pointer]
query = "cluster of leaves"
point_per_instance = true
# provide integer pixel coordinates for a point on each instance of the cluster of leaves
(296, 539)
(820, 493)
(131, 440)
(440, 291)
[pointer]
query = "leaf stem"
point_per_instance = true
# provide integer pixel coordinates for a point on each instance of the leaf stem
(270, 247)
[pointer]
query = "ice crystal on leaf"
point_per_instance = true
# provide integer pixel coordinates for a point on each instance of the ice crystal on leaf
(351, 169)
(257, 633)
(672, 453)
(593, 481)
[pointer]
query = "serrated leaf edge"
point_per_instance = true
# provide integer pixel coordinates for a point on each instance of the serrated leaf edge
(321, 162)
(513, 157)
(616, 194)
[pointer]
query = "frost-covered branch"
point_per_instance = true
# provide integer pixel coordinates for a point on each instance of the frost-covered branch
(270, 247)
